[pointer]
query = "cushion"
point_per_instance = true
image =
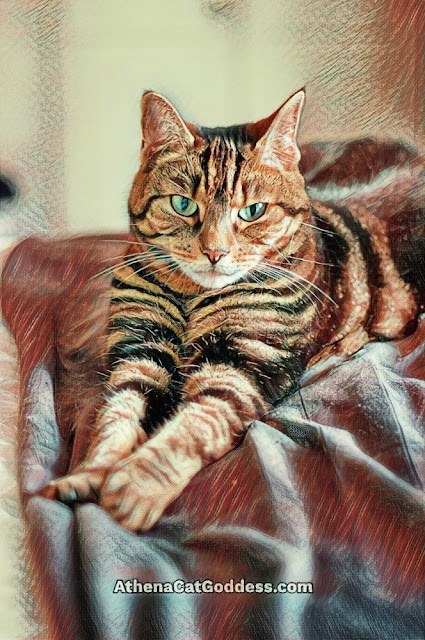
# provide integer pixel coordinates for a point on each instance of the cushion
(326, 490)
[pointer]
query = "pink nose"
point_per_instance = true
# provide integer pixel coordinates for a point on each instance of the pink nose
(214, 255)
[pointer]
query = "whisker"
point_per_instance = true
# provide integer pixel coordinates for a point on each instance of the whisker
(136, 257)
(122, 257)
(128, 242)
(110, 269)
(264, 284)
(307, 224)
(294, 274)
(168, 267)
(279, 272)
(325, 264)
(296, 286)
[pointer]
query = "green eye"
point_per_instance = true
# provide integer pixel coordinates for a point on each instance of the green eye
(253, 212)
(184, 206)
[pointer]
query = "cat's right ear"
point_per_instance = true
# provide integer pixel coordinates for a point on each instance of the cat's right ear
(161, 123)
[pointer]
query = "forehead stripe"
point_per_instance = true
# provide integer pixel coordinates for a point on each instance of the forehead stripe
(221, 166)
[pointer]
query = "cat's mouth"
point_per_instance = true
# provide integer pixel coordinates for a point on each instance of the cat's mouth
(213, 277)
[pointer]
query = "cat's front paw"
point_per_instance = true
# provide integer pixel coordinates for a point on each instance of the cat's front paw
(82, 484)
(140, 488)
(135, 506)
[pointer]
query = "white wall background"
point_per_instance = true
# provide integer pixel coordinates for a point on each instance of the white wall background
(224, 63)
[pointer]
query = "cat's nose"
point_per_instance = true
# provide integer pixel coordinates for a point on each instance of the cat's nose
(214, 255)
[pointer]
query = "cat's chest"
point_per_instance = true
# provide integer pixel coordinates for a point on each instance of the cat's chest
(244, 312)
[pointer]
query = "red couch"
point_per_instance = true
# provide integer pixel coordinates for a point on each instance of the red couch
(327, 490)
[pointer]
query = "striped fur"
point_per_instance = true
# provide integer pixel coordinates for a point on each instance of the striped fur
(213, 318)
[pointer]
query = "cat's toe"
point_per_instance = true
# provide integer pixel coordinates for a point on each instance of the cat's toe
(81, 485)
(119, 495)
(49, 491)
(137, 506)
(69, 495)
(117, 481)
(141, 514)
(115, 491)
(143, 517)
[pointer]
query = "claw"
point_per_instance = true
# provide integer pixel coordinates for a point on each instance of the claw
(70, 496)
(82, 484)
(117, 481)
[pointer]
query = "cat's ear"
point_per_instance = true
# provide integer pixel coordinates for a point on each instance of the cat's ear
(278, 145)
(161, 122)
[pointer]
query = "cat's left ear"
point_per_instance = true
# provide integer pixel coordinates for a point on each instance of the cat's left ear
(278, 146)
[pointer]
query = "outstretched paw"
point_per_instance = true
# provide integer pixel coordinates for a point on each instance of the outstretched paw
(135, 500)
(137, 491)
(82, 484)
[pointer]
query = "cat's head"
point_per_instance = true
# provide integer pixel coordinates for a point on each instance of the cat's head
(219, 202)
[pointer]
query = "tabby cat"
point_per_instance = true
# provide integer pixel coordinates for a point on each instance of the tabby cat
(234, 281)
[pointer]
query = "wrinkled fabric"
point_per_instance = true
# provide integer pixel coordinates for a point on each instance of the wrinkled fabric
(329, 494)
(327, 488)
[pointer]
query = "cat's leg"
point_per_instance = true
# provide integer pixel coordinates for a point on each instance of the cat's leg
(142, 354)
(219, 404)
(117, 431)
